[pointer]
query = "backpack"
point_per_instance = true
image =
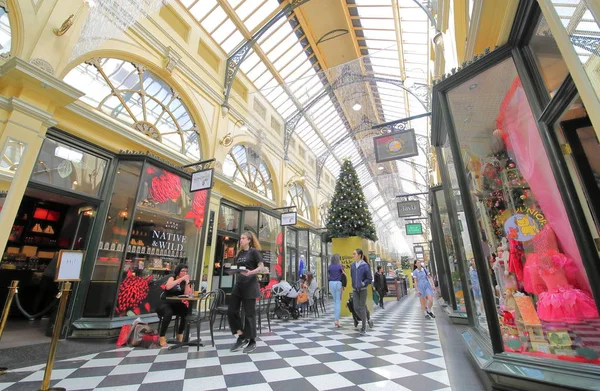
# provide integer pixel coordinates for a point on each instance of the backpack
(137, 333)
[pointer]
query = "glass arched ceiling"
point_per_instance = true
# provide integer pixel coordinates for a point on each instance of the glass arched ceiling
(137, 97)
(247, 168)
(392, 36)
(297, 196)
(5, 33)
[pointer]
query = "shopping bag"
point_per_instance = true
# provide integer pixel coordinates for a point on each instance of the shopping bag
(375, 297)
(124, 335)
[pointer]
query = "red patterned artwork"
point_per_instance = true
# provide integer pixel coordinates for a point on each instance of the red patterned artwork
(198, 206)
(133, 294)
(165, 187)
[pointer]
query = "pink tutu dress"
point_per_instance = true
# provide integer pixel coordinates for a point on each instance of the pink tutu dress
(553, 277)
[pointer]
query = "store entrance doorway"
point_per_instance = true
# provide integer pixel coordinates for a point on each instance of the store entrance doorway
(46, 223)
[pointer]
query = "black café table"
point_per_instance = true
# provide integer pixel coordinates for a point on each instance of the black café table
(186, 337)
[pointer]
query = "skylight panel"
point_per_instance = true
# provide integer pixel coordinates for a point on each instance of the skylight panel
(378, 44)
(275, 35)
(214, 19)
(296, 69)
(223, 31)
(232, 42)
(393, 62)
(258, 70)
(288, 57)
(284, 109)
(289, 111)
(389, 54)
(201, 9)
(261, 14)
(251, 60)
(379, 34)
(377, 12)
(377, 23)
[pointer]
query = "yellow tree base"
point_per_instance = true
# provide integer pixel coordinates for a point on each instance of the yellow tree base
(345, 247)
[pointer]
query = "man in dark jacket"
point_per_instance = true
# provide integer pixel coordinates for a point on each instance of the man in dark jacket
(380, 284)
(361, 278)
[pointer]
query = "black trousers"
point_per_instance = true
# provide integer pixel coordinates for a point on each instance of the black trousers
(235, 319)
(167, 310)
(381, 294)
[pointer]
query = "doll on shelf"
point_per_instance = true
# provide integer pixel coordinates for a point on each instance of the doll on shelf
(515, 259)
(553, 277)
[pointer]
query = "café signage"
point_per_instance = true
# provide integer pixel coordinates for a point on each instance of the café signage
(409, 208)
(168, 241)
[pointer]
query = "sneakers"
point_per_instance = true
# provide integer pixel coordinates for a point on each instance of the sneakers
(239, 344)
(370, 323)
(362, 332)
(251, 347)
(427, 316)
(430, 313)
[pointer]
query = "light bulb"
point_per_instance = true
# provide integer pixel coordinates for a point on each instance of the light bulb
(356, 107)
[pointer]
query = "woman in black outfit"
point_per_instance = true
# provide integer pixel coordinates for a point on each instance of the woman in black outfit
(245, 292)
(177, 284)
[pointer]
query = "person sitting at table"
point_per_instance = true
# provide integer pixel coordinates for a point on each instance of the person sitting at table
(177, 284)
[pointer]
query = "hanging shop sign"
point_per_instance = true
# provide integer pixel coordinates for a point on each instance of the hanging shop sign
(202, 180)
(409, 208)
(418, 249)
(524, 225)
(289, 218)
(414, 229)
(395, 146)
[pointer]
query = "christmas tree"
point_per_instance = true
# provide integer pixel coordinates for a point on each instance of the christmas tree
(348, 212)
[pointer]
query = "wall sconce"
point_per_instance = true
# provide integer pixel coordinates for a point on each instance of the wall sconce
(67, 24)
(123, 214)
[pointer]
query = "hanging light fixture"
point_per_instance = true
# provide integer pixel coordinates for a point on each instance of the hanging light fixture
(357, 106)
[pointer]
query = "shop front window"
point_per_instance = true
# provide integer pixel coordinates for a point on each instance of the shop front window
(297, 196)
(546, 308)
(271, 242)
(291, 254)
(548, 58)
(137, 97)
(69, 168)
(302, 252)
(144, 239)
(315, 256)
(247, 168)
(229, 219)
(251, 221)
(452, 261)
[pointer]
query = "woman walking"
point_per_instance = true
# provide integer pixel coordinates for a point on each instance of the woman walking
(334, 273)
(177, 284)
(245, 292)
(361, 278)
(424, 290)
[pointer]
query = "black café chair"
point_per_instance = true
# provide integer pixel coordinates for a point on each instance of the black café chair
(264, 306)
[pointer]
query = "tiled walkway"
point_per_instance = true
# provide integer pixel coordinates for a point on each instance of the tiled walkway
(402, 352)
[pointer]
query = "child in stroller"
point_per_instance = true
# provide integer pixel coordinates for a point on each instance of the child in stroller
(285, 300)
(355, 316)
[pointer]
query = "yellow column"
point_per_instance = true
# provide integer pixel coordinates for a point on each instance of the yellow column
(345, 247)
(28, 98)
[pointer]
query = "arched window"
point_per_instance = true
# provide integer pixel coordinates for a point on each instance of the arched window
(247, 168)
(297, 196)
(135, 96)
(5, 33)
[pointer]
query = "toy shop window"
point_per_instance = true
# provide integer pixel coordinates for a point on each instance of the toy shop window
(545, 304)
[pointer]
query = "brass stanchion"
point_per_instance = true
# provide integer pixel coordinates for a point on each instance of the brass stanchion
(12, 290)
(65, 288)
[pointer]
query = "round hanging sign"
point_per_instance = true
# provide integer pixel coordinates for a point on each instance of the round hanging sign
(65, 169)
(521, 227)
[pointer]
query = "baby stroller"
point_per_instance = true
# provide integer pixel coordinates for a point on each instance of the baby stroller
(285, 301)
(355, 316)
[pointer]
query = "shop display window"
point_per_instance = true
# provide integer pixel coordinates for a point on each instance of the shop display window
(251, 221)
(291, 254)
(153, 225)
(548, 58)
(69, 168)
(452, 261)
(229, 219)
(270, 236)
(315, 256)
(545, 308)
(302, 252)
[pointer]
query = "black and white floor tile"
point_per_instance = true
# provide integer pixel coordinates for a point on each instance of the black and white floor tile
(402, 352)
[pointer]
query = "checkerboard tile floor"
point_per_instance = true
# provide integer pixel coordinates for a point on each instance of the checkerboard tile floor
(402, 352)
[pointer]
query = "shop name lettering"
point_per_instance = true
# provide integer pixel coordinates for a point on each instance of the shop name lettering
(537, 216)
(168, 241)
